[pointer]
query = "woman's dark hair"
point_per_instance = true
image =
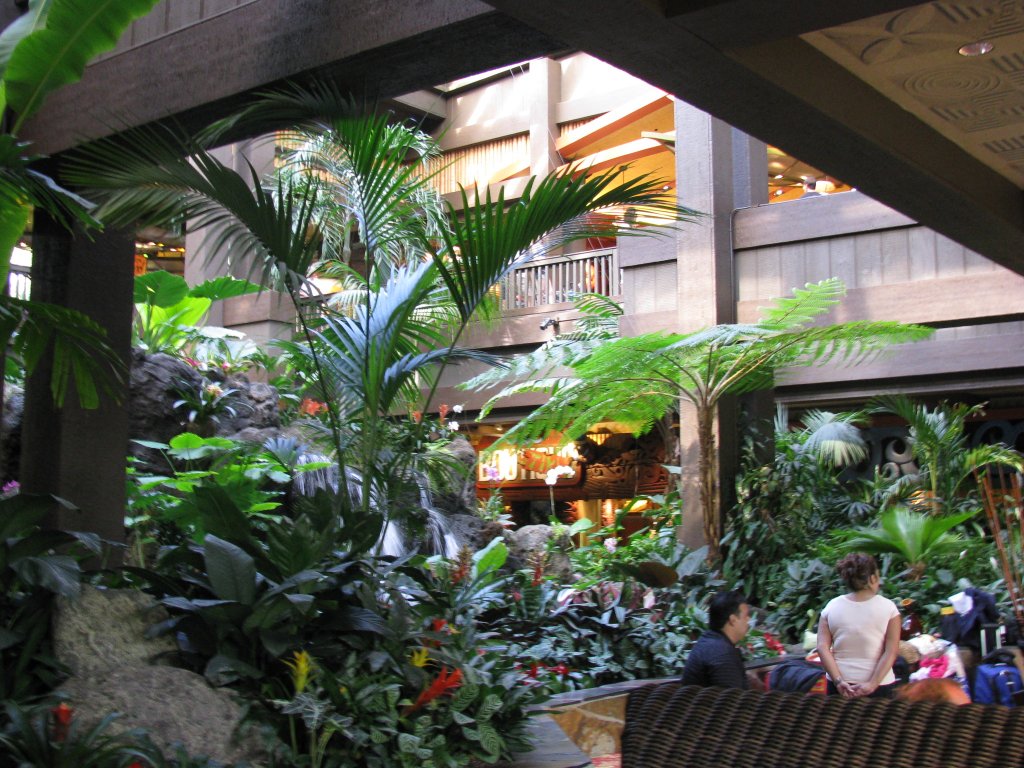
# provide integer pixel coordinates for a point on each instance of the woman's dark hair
(856, 569)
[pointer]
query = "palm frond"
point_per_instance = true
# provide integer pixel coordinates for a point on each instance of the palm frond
(81, 355)
(491, 237)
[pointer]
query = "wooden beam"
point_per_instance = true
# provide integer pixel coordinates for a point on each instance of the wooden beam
(807, 105)
(961, 300)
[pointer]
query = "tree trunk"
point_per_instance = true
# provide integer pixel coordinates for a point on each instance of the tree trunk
(708, 472)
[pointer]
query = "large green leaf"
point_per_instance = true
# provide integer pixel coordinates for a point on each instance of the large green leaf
(224, 287)
(20, 28)
(159, 288)
(231, 571)
(75, 32)
(58, 573)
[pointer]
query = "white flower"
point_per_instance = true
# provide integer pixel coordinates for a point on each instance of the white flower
(453, 426)
(551, 478)
(456, 409)
(611, 543)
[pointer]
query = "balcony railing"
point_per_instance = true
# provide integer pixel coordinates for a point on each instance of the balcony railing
(558, 280)
(19, 282)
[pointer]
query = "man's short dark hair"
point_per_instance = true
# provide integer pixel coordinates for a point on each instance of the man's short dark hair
(722, 606)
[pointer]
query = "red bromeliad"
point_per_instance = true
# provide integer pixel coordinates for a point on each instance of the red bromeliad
(443, 683)
(62, 716)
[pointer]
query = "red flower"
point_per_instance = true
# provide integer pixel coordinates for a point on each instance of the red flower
(442, 411)
(438, 625)
(417, 416)
(560, 669)
(534, 669)
(443, 683)
(62, 716)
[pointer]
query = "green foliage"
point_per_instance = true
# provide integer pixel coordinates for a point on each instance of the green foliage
(167, 508)
(37, 565)
(357, 180)
(203, 406)
(55, 53)
(167, 311)
(640, 379)
(915, 537)
(45, 48)
(792, 500)
(947, 464)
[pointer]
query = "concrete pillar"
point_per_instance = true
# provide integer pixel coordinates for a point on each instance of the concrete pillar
(545, 93)
(71, 452)
(717, 169)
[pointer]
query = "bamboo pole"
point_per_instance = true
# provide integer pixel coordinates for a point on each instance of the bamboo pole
(1008, 561)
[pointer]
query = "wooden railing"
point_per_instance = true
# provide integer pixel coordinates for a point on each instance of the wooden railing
(557, 280)
(19, 282)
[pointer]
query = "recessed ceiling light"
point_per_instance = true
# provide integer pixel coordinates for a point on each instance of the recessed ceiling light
(778, 192)
(777, 176)
(979, 48)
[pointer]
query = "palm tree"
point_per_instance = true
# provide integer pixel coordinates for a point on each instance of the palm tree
(938, 442)
(642, 378)
(914, 537)
(43, 49)
(373, 357)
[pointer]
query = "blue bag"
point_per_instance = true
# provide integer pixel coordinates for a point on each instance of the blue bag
(997, 682)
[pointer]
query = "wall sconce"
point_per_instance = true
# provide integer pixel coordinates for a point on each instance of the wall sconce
(551, 322)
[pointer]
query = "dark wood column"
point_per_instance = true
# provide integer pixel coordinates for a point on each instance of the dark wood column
(74, 453)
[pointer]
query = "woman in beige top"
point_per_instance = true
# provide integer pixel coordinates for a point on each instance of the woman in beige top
(859, 633)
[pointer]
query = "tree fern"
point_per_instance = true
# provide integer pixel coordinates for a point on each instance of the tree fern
(637, 380)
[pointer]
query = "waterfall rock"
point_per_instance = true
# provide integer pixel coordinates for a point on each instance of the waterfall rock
(473, 531)
(157, 382)
(101, 637)
(460, 495)
(525, 542)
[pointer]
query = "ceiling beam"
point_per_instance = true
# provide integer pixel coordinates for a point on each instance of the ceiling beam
(730, 23)
(374, 49)
(789, 95)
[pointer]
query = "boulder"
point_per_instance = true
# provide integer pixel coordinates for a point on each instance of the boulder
(474, 531)
(106, 628)
(524, 542)
(172, 705)
(459, 498)
(101, 638)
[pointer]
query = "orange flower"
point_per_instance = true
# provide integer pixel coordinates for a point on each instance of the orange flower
(417, 416)
(311, 407)
(443, 683)
(442, 411)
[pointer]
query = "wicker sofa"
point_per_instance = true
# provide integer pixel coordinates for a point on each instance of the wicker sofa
(676, 726)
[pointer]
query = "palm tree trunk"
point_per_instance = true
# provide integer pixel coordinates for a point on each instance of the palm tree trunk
(708, 475)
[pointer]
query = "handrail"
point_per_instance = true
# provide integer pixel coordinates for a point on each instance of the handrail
(557, 280)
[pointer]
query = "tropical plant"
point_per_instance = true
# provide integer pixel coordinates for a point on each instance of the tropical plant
(52, 737)
(37, 565)
(642, 378)
(946, 462)
(914, 537)
(376, 357)
(785, 504)
(167, 310)
(205, 404)
(43, 49)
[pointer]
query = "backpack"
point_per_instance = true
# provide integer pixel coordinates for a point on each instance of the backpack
(997, 681)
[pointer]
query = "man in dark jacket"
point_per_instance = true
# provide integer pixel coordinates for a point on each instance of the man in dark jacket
(715, 659)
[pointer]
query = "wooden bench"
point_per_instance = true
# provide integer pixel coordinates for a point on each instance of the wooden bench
(676, 726)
